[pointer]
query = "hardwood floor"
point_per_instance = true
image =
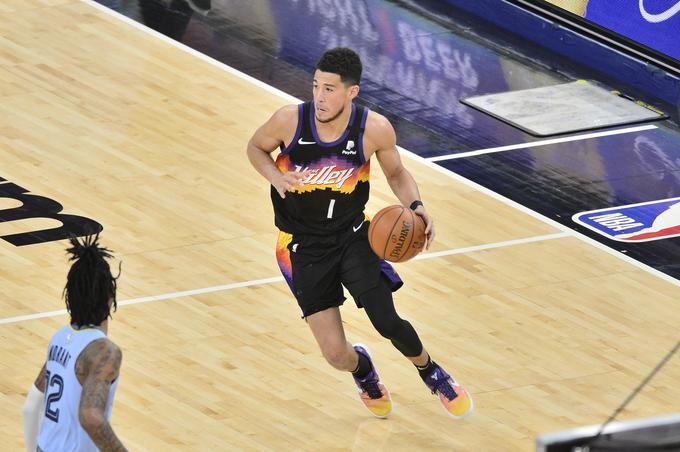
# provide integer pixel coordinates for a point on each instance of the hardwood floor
(148, 140)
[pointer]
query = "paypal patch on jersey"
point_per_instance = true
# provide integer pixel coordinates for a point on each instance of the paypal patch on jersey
(643, 222)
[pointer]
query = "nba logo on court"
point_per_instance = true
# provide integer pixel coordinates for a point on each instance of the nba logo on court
(643, 222)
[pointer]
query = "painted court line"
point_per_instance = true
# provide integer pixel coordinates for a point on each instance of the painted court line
(428, 162)
(489, 246)
(278, 279)
(403, 151)
(534, 144)
(538, 216)
(191, 51)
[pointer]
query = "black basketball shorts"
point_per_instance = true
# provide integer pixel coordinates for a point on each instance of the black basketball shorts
(316, 267)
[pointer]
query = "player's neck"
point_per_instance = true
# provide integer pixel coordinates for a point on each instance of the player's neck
(332, 130)
(104, 326)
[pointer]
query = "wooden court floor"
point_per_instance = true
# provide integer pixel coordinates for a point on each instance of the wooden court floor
(149, 140)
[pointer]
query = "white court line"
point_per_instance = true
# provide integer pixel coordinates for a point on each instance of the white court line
(405, 152)
(165, 296)
(193, 52)
(540, 217)
(489, 246)
(277, 279)
(566, 232)
(534, 144)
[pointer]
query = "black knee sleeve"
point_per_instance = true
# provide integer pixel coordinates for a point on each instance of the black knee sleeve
(379, 306)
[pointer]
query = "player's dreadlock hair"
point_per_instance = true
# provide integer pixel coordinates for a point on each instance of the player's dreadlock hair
(344, 62)
(89, 284)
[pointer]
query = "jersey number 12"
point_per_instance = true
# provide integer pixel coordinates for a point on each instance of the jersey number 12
(53, 396)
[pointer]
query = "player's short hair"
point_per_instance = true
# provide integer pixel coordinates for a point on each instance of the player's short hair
(342, 61)
(89, 284)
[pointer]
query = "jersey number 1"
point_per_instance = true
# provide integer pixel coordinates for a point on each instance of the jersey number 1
(331, 205)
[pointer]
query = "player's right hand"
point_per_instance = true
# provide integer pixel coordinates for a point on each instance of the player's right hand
(289, 181)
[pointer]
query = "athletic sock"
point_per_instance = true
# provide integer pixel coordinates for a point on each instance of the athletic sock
(363, 367)
(427, 369)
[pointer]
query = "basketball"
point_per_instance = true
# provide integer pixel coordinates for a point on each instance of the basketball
(396, 234)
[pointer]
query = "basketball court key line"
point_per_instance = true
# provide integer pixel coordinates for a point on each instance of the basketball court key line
(277, 279)
(509, 202)
(197, 54)
(470, 249)
(403, 151)
(534, 144)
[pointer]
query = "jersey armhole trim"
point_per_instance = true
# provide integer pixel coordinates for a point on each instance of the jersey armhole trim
(360, 138)
(296, 137)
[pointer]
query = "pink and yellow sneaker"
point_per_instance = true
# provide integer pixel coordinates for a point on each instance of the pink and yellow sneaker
(456, 400)
(372, 392)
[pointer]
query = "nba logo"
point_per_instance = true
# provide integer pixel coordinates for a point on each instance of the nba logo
(643, 222)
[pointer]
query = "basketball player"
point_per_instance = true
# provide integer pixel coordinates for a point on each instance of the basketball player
(319, 187)
(70, 402)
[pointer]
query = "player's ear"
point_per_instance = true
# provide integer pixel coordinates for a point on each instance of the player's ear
(353, 91)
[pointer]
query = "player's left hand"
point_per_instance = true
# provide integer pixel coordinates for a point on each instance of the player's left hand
(429, 225)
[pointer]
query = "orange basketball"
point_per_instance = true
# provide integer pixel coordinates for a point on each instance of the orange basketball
(396, 234)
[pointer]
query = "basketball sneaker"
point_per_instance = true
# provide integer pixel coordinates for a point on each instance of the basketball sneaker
(373, 394)
(456, 400)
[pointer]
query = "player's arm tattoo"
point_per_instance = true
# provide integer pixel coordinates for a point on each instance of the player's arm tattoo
(99, 366)
(40, 379)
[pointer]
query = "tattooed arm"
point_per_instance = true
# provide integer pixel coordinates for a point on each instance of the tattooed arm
(40, 379)
(97, 367)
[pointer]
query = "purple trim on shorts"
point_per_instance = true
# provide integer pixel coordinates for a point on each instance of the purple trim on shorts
(316, 135)
(289, 279)
(391, 274)
(296, 137)
(361, 136)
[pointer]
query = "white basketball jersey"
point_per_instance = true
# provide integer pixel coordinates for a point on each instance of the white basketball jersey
(60, 429)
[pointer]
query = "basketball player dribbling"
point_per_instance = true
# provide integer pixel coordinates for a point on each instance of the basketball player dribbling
(319, 187)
